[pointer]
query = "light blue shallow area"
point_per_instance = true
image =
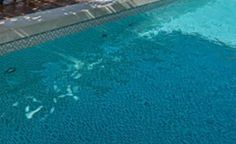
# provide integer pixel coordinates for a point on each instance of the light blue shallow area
(166, 76)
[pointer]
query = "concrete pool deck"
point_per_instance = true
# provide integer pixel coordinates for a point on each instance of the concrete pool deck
(25, 31)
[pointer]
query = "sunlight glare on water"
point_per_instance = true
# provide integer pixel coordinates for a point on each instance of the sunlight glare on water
(214, 21)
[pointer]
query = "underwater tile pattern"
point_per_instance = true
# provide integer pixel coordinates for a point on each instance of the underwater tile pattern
(114, 84)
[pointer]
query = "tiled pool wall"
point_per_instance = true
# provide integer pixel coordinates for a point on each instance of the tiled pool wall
(19, 36)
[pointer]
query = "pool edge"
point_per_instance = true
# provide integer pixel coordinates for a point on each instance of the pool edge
(16, 37)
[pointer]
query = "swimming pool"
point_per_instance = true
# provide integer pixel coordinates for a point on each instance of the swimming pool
(164, 76)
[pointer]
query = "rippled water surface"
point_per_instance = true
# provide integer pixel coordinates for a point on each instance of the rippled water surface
(165, 76)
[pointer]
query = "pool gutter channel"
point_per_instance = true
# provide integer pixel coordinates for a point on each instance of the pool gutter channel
(16, 35)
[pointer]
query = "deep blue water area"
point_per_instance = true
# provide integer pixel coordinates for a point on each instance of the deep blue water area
(130, 81)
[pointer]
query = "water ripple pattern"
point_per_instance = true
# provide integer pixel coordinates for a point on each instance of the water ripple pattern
(123, 83)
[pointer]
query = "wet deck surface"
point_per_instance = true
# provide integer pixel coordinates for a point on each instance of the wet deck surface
(30, 6)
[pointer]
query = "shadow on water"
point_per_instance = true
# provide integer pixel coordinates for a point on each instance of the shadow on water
(175, 88)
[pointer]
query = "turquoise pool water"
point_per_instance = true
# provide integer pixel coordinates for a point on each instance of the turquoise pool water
(164, 76)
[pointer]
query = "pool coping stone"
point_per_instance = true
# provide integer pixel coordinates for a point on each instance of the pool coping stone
(23, 31)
